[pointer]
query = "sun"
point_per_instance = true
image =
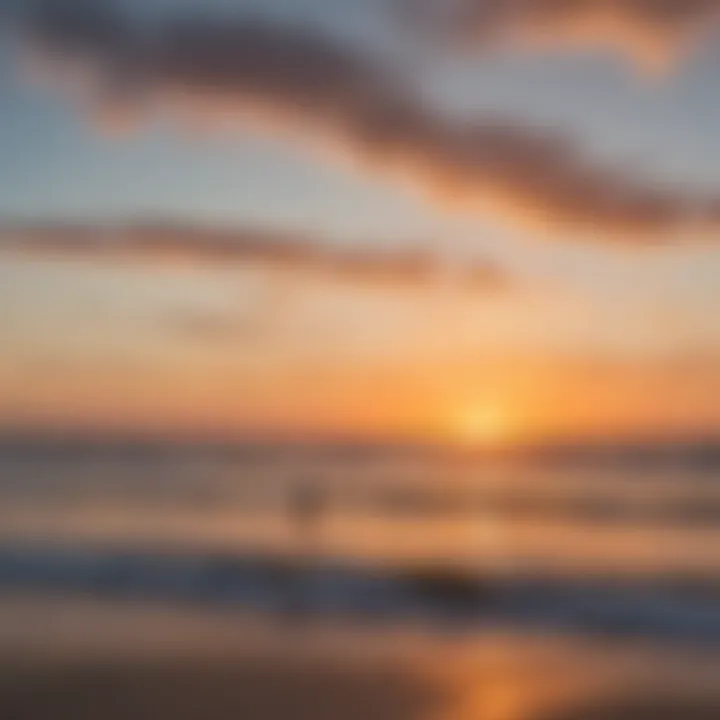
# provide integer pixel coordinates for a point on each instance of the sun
(485, 426)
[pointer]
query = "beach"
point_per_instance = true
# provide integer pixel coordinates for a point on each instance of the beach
(71, 658)
(173, 588)
(359, 360)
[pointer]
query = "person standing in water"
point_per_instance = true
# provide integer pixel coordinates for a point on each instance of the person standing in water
(307, 504)
(306, 508)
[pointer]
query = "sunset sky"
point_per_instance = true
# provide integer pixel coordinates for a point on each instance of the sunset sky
(361, 218)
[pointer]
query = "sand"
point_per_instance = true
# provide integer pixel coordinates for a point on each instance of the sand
(84, 659)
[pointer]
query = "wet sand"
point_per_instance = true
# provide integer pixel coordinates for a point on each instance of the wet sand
(213, 691)
(81, 659)
(277, 691)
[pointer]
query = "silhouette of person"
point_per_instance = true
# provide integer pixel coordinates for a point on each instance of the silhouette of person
(306, 507)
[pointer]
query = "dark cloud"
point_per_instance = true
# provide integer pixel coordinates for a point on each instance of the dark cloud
(651, 32)
(285, 79)
(168, 244)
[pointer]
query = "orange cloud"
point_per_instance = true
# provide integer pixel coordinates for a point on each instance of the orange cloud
(652, 33)
(274, 79)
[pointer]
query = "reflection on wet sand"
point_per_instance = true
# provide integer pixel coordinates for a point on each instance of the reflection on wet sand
(77, 659)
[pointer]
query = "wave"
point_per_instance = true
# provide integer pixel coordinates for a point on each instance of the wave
(436, 595)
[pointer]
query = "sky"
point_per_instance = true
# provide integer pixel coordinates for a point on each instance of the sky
(453, 220)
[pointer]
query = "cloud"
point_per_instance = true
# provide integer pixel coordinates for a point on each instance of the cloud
(212, 325)
(286, 80)
(652, 33)
(168, 244)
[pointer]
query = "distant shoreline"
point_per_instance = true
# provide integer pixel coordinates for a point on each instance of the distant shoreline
(698, 453)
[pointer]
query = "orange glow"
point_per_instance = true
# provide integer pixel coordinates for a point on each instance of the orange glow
(483, 426)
